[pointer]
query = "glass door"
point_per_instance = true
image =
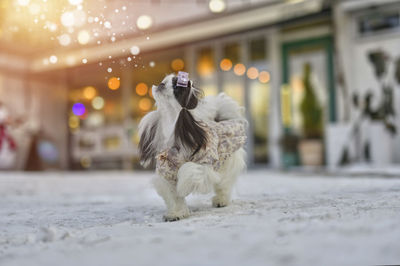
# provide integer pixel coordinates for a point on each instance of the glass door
(308, 75)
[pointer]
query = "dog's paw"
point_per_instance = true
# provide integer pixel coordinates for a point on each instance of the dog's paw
(174, 218)
(219, 202)
(176, 215)
(170, 218)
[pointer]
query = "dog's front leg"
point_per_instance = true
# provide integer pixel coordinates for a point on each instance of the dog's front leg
(176, 206)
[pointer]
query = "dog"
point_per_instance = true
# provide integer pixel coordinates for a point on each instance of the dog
(182, 126)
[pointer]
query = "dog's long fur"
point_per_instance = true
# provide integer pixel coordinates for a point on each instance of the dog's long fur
(177, 122)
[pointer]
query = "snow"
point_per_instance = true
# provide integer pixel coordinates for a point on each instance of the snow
(115, 218)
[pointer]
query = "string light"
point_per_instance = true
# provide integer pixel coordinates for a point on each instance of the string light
(141, 89)
(264, 77)
(225, 64)
(239, 69)
(177, 64)
(145, 104)
(114, 83)
(252, 73)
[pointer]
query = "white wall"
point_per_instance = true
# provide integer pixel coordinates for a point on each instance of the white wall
(358, 72)
(364, 77)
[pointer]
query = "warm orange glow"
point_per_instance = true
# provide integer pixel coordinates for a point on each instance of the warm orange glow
(145, 104)
(89, 92)
(73, 122)
(114, 83)
(226, 64)
(75, 95)
(205, 66)
(177, 64)
(141, 89)
(264, 77)
(239, 69)
(252, 73)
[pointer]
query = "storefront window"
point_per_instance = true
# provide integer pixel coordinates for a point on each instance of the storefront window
(259, 88)
(206, 72)
(233, 82)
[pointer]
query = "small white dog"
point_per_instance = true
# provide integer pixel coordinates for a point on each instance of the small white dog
(179, 124)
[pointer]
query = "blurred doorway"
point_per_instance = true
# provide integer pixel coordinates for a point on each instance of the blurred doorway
(308, 67)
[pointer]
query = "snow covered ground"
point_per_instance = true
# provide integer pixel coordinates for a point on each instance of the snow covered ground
(115, 218)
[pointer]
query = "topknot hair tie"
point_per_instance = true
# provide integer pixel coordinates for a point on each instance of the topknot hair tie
(183, 79)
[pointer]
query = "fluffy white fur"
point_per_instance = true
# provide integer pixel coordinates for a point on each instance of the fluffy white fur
(192, 177)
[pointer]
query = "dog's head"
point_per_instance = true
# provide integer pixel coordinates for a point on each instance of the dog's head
(174, 97)
(171, 94)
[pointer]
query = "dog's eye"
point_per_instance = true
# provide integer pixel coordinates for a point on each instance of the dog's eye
(161, 86)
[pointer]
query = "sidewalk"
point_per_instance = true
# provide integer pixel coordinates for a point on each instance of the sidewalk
(115, 218)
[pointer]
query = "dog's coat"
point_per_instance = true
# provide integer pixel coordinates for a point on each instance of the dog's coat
(225, 137)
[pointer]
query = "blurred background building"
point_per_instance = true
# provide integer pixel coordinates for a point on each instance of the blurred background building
(319, 78)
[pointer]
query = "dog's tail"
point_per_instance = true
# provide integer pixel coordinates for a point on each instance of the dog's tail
(196, 178)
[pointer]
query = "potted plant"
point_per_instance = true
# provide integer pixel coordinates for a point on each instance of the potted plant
(311, 146)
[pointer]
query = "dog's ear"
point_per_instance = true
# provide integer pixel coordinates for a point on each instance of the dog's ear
(190, 132)
(147, 133)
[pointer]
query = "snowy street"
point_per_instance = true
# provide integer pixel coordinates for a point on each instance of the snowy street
(115, 218)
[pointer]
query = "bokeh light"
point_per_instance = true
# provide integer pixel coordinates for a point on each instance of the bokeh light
(114, 83)
(225, 64)
(107, 24)
(239, 69)
(79, 18)
(98, 103)
(252, 73)
(73, 122)
(264, 77)
(135, 50)
(67, 19)
(75, 2)
(48, 152)
(53, 59)
(83, 37)
(95, 119)
(89, 92)
(78, 109)
(145, 104)
(177, 64)
(23, 2)
(64, 39)
(34, 8)
(217, 6)
(141, 89)
(86, 162)
(144, 22)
